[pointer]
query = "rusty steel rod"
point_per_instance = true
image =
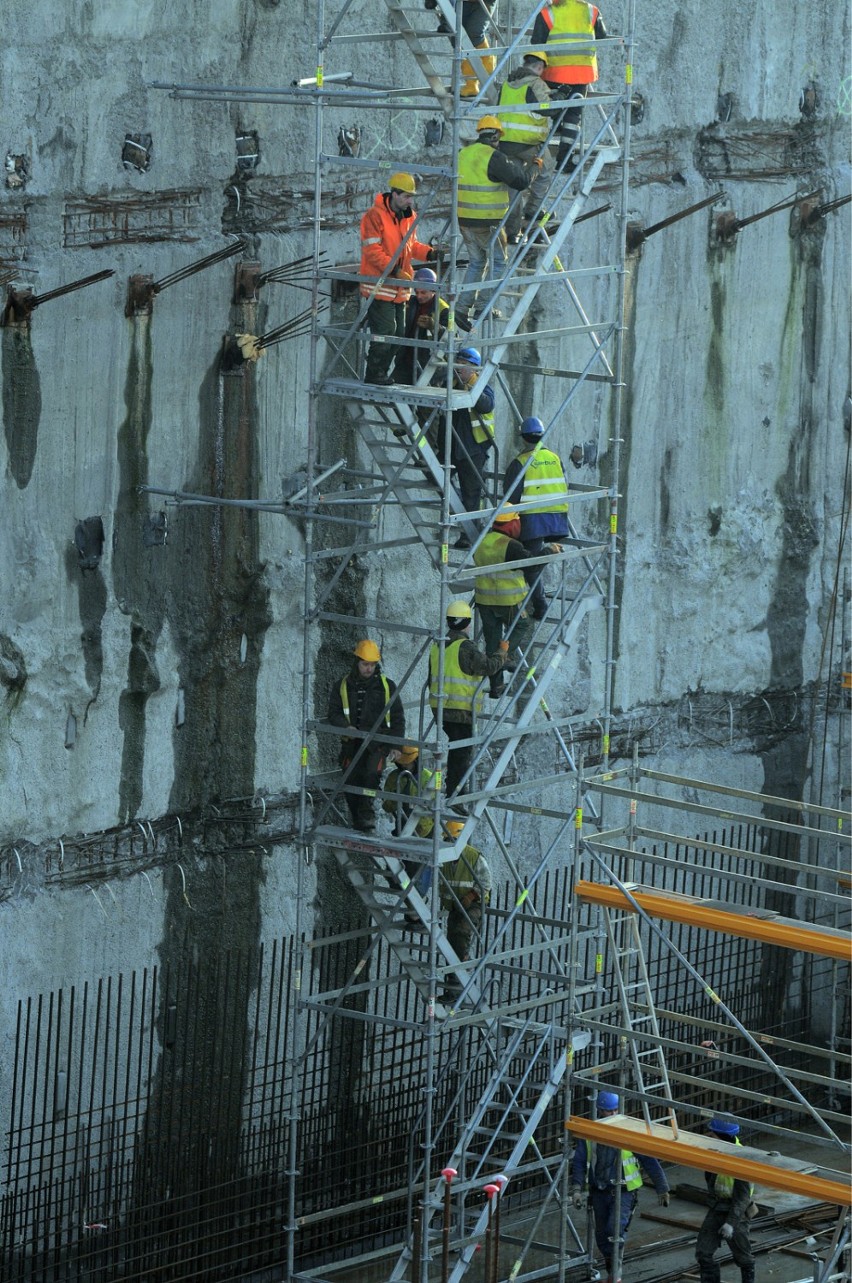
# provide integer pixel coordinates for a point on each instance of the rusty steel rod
(38, 299)
(220, 256)
(683, 213)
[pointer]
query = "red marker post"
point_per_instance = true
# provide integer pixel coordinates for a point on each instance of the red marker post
(448, 1174)
(490, 1191)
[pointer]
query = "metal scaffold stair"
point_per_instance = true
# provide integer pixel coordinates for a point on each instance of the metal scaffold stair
(498, 1138)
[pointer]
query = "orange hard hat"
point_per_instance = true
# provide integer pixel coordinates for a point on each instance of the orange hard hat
(368, 651)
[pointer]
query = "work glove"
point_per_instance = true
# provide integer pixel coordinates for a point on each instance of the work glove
(665, 1199)
(726, 1231)
(393, 755)
(538, 162)
(404, 273)
(503, 647)
(469, 898)
(555, 547)
(424, 321)
(578, 1198)
(249, 346)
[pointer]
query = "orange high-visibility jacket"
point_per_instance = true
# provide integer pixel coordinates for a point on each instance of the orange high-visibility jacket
(382, 233)
(571, 61)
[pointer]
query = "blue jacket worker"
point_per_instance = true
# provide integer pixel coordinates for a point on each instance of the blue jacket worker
(604, 1167)
(728, 1216)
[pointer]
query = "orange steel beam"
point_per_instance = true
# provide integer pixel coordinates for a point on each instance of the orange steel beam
(697, 913)
(691, 1153)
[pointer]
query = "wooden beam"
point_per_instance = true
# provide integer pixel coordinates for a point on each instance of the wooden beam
(751, 924)
(689, 1149)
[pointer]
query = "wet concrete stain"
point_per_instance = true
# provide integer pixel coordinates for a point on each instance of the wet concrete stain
(21, 402)
(92, 604)
(715, 366)
(207, 587)
(785, 763)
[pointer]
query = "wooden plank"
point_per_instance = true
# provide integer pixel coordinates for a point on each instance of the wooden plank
(689, 1149)
(826, 942)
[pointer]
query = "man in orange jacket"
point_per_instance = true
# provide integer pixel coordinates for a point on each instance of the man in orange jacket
(387, 235)
(569, 28)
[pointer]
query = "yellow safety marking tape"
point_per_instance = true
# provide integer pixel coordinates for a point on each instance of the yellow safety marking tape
(613, 523)
(606, 743)
(578, 818)
(598, 964)
(628, 73)
(304, 755)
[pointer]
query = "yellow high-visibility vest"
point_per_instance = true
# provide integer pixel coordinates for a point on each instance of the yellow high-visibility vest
(459, 687)
(544, 476)
(344, 698)
(520, 126)
(479, 197)
(507, 586)
(568, 23)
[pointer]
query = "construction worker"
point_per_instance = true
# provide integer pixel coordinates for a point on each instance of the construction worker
(475, 18)
(387, 236)
(473, 434)
(569, 29)
(464, 666)
(363, 699)
(485, 176)
(727, 1219)
(426, 319)
(407, 781)
(465, 891)
(548, 519)
(524, 136)
(499, 595)
(605, 1167)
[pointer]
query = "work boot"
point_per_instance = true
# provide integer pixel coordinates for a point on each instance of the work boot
(747, 1272)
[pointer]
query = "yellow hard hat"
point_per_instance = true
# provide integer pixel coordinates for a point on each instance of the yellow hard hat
(489, 122)
(368, 651)
(453, 828)
(504, 517)
(536, 53)
(459, 609)
(408, 754)
(403, 183)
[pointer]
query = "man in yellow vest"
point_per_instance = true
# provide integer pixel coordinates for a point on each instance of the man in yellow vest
(606, 1167)
(464, 667)
(569, 29)
(499, 594)
(465, 891)
(728, 1216)
(524, 136)
(485, 176)
(363, 700)
(543, 486)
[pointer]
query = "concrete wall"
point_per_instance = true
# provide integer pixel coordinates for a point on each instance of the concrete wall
(736, 373)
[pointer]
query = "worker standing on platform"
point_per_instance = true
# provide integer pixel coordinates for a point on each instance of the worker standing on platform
(499, 595)
(604, 1167)
(363, 698)
(485, 176)
(727, 1220)
(473, 434)
(465, 892)
(464, 666)
(524, 136)
(547, 520)
(569, 29)
(387, 233)
(426, 319)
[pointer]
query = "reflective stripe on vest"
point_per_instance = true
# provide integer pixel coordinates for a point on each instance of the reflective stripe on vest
(544, 476)
(571, 42)
(462, 877)
(518, 126)
(723, 1186)
(630, 1172)
(482, 426)
(479, 197)
(508, 586)
(344, 698)
(459, 687)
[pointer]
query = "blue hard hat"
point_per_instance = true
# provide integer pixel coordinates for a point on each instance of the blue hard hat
(607, 1100)
(723, 1127)
(425, 274)
(469, 354)
(532, 427)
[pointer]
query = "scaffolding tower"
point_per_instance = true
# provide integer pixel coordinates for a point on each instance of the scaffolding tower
(496, 1060)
